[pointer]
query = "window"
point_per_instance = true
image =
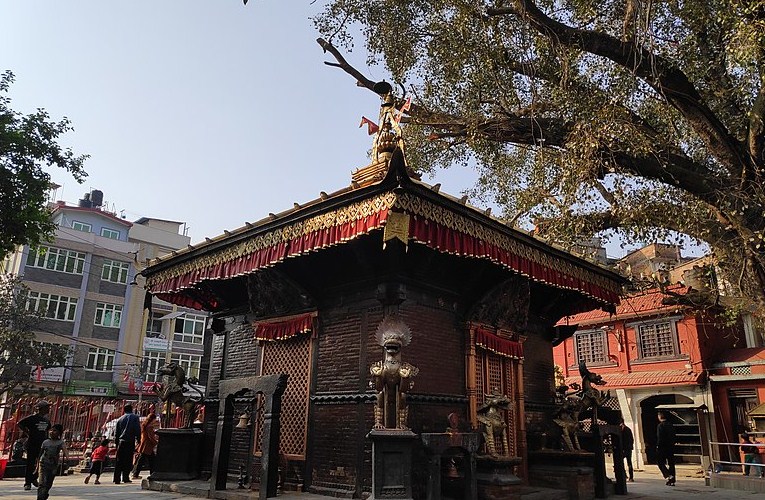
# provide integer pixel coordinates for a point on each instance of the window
(190, 329)
(52, 306)
(189, 362)
(591, 347)
(56, 259)
(82, 226)
(100, 360)
(115, 271)
(656, 340)
(110, 233)
(154, 325)
(108, 315)
(154, 361)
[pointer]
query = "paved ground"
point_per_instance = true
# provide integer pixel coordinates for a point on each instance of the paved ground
(648, 486)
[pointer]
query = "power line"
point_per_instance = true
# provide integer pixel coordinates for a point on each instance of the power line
(85, 342)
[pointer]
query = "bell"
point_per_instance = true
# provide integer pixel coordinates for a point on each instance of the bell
(244, 420)
(452, 472)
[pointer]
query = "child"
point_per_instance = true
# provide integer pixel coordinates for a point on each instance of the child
(97, 460)
(49, 460)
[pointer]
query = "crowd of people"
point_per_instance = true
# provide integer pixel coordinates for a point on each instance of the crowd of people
(46, 452)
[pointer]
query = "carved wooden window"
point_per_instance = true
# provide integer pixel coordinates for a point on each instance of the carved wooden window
(494, 365)
(591, 347)
(291, 356)
(657, 340)
(497, 373)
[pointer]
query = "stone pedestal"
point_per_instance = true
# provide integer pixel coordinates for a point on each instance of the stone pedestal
(178, 455)
(437, 446)
(570, 471)
(495, 477)
(391, 464)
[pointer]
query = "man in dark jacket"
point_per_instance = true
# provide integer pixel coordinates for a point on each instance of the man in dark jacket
(665, 448)
(127, 432)
(628, 443)
(35, 427)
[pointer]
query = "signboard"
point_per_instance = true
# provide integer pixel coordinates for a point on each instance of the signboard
(47, 374)
(89, 388)
(155, 344)
(108, 408)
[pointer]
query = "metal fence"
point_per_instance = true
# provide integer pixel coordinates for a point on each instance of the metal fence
(728, 457)
(82, 418)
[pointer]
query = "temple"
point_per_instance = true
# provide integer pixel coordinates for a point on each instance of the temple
(302, 293)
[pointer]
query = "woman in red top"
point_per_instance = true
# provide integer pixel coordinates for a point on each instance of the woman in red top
(97, 460)
(148, 445)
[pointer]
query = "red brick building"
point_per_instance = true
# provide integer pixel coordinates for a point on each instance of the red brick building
(654, 354)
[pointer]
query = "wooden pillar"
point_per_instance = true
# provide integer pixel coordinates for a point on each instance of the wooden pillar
(470, 378)
(222, 443)
(521, 408)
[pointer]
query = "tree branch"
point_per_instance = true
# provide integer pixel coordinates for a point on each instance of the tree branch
(756, 136)
(655, 70)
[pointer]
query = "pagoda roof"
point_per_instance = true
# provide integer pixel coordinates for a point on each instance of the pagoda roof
(392, 200)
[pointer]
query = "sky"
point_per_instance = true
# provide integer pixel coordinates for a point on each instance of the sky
(211, 113)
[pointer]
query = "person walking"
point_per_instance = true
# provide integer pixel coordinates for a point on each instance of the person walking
(35, 427)
(665, 448)
(127, 432)
(751, 455)
(628, 444)
(148, 446)
(50, 449)
(97, 461)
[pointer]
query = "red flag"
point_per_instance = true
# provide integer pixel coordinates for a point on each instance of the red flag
(38, 377)
(372, 127)
(407, 105)
(126, 376)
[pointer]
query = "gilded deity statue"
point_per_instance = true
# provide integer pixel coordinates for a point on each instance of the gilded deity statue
(391, 378)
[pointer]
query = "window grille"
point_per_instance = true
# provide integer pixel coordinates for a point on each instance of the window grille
(656, 340)
(292, 356)
(591, 347)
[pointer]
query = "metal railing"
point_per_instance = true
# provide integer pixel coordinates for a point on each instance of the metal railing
(729, 457)
(82, 418)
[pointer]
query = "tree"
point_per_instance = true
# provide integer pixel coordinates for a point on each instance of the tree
(18, 353)
(27, 143)
(638, 118)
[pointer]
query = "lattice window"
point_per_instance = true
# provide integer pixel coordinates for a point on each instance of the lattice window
(292, 357)
(494, 372)
(494, 364)
(656, 339)
(591, 347)
(741, 370)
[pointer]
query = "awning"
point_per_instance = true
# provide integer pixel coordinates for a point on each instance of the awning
(496, 344)
(644, 379)
(284, 328)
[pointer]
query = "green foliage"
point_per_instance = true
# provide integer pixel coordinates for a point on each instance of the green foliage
(585, 117)
(18, 353)
(28, 143)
